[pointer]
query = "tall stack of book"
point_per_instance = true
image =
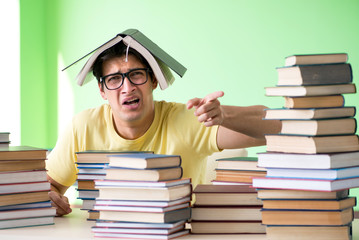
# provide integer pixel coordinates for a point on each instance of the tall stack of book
(143, 196)
(24, 189)
(314, 161)
(224, 209)
(91, 166)
(237, 170)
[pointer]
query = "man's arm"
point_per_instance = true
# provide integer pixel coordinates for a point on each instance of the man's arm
(240, 127)
(58, 200)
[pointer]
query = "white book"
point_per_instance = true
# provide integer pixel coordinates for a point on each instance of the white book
(313, 161)
(305, 183)
(333, 174)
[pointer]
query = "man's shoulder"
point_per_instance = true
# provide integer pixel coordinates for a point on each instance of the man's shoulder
(174, 112)
(93, 114)
(169, 106)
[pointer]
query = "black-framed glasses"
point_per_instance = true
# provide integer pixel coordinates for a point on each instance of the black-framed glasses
(136, 76)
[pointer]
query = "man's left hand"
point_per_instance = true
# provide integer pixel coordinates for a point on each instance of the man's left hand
(208, 109)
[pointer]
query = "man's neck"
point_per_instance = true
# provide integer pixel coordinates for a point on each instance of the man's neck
(132, 130)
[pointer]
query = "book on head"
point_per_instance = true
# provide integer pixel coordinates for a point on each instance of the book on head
(160, 61)
(309, 59)
(315, 74)
(317, 90)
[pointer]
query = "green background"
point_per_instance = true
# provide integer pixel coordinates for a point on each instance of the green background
(228, 45)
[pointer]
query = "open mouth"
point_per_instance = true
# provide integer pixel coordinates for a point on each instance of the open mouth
(132, 101)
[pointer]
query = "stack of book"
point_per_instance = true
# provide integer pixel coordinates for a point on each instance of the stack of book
(24, 189)
(4, 139)
(237, 170)
(143, 196)
(91, 166)
(314, 161)
(233, 209)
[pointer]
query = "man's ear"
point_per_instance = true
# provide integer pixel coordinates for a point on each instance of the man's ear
(154, 83)
(102, 92)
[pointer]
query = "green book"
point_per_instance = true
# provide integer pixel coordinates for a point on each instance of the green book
(158, 59)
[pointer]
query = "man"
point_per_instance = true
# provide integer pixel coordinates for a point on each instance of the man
(132, 120)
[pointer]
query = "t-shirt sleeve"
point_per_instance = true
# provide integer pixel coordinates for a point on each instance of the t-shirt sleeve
(60, 164)
(199, 137)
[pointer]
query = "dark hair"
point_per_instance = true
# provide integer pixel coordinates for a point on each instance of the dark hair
(117, 50)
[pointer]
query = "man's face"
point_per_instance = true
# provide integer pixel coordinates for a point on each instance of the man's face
(131, 104)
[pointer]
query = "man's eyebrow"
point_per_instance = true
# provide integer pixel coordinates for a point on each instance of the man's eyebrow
(128, 70)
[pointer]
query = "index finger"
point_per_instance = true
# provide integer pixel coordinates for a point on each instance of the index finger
(214, 96)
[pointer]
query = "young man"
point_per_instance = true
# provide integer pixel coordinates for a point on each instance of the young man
(132, 120)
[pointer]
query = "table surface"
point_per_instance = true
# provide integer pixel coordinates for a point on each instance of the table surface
(75, 226)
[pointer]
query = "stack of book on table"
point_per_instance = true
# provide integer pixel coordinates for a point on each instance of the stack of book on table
(91, 166)
(143, 196)
(4, 139)
(224, 209)
(314, 161)
(237, 170)
(24, 189)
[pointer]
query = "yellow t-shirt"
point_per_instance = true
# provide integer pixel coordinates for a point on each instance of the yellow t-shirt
(175, 130)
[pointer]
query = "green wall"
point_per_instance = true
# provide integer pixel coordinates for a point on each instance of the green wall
(38, 66)
(229, 45)
(226, 45)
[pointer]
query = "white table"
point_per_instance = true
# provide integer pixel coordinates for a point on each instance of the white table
(75, 226)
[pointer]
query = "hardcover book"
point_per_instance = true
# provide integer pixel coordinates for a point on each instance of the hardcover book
(317, 90)
(307, 217)
(160, 61)
(309, 113)
(309, 59)
(312, 144)
(315, 161)
(316, 74)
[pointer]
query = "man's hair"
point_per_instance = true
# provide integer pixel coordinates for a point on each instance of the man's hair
(118, 50)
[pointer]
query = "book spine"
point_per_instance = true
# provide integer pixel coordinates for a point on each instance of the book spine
(326, 74)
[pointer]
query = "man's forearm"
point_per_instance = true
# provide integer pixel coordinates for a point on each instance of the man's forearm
(249, 121)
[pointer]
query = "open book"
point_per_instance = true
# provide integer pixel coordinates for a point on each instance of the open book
(159, 60)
